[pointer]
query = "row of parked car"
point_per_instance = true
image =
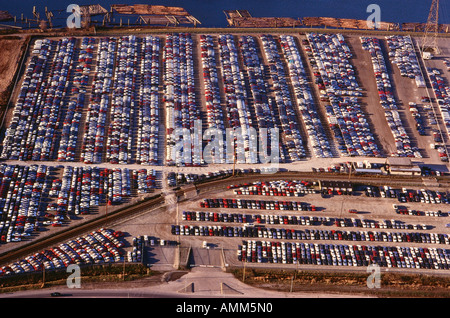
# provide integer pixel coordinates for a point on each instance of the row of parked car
(84, 66)
(301, 187)
(127, 67)
(283, 102)
(136, 68)
(387, 99)
(123, 101)
(18, 141)
(58, 80)
(214, 113)
(145, 180)
(237, 110)
(182, 111)
(82, 188)
(297, 220)
(70, 129)
(404, 195)
(211, 82)
(275, 188)
(72, 118)
(180, 178)
(99, 103)
(419, 119)
(406, 211)
(441, 91)
(264, 111)
(30, 196)
(135, 101)
(343, 255)
(257, 204)
(403, 54)
(21, 190)
(85, 187)
(148, 111)
(99, 247)
(31, 134)
(135, 255)
(309, 234)
(330, 57)
(305, 102)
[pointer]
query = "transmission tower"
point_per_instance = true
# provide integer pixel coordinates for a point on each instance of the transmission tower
(429, 40)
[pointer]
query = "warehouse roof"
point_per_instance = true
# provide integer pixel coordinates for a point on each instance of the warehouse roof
(399, 161)
(402, 165)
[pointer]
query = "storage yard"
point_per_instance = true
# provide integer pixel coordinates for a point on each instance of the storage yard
(90, 130)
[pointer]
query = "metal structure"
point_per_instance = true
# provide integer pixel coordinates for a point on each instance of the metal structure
(49, 16)
(429, 40)
(154, 14)
(92, 10)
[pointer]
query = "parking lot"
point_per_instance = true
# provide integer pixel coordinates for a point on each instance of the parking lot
(306, 106)
(101, 246)
(109, 105)
(39, 200)
(359, 220)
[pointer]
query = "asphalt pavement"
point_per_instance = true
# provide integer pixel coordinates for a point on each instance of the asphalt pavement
(200, 282)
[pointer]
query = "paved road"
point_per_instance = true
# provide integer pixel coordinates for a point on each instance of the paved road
(200, 282)
(305, 165)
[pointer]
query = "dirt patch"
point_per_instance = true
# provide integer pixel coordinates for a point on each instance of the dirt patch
(11, 48)
(392, 285)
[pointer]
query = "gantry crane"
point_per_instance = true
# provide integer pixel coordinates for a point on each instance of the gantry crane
(429, 40)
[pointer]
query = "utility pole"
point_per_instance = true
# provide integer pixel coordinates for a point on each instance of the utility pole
(234, 159)
(43, 276)
(243, 273)
(123, 275)
(294, 276)
(292, 282)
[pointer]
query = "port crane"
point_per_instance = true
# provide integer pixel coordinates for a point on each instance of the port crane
(429, 40)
